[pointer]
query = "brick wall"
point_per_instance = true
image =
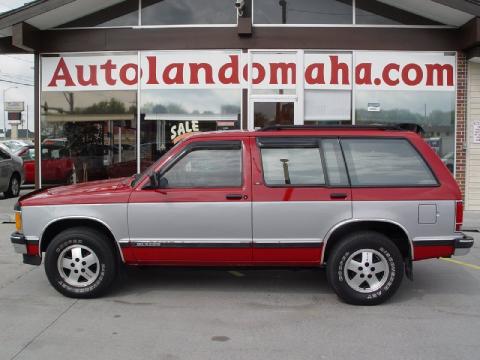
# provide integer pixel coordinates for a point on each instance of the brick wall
(461, 119)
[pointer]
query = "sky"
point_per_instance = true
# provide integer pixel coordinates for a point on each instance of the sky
(16, 68)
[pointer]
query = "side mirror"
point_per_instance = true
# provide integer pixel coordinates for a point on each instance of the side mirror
(154, 183)
(163, 183)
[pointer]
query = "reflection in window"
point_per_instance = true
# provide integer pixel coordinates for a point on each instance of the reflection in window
(337, 174)
(378, 13)
(169, 116)
(124, 13)
(292, 166)
(434, 111)
(328, 105)
(87, 135)
(302, 12)
(385, 162)
(206, 168)
(188, 12)
(272, 113)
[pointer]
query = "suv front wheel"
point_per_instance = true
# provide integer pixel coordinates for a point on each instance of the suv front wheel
(80, 263)
(365, 268)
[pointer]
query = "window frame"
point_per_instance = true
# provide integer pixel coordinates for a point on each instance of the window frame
(294, 142)
(6, 154)
(206, 145)
(427, 164)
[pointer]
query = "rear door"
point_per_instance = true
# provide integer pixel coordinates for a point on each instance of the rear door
(300, 191)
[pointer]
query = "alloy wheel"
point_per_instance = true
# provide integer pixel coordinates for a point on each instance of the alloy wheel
(366, 270)
(78, 265)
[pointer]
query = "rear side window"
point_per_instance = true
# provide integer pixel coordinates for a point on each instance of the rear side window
(292, 162)
(385, 162)
(337, 174)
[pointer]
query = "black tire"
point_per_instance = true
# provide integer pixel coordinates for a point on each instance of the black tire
(13, 187)
(385, 255)
(90, 240)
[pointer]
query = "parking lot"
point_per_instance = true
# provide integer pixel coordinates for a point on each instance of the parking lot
(204, 314)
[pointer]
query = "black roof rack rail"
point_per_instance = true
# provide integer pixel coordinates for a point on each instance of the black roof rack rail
(399, 127)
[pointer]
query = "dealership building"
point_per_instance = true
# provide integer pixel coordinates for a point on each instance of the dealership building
(118, 83)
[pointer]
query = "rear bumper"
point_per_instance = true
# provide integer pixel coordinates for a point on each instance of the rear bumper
(21, 246)
(462, 245)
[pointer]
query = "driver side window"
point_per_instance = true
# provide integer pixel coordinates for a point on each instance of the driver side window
(206, 168)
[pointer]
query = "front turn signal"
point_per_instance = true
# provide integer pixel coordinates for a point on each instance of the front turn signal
(18, 221)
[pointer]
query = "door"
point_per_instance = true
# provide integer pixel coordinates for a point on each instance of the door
(201, 214)
(300, 191)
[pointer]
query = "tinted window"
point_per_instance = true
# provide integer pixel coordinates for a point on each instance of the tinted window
(124, 13)
(337, 174)
(4, 155)
(185, 12)
(29, 154)
(295, 166)
(206, 168)
(302, 12)
(385, 162)
(380, 12)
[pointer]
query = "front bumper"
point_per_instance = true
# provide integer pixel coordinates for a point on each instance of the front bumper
(462, 245)
(20, 245)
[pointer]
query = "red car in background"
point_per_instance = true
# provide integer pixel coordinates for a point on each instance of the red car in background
(57, 166)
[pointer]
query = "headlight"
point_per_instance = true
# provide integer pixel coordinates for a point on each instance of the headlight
(18, 221)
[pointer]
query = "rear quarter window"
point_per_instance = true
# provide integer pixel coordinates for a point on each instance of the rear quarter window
(385, 162)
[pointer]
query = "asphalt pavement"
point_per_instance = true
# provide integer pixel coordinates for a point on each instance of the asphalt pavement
(155, 313)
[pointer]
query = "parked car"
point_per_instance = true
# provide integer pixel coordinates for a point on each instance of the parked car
(11, 173)
(57, 166)
(364, 202)
(449, 160)
(13, 146)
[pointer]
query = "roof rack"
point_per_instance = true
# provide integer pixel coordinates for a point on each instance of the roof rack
(399, 127)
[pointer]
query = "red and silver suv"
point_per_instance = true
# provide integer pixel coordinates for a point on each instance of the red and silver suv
(364, 202)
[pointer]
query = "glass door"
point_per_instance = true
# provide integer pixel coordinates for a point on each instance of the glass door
(274, 92)
(271, 111)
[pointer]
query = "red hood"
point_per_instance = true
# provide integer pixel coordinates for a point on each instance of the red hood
(102, 191)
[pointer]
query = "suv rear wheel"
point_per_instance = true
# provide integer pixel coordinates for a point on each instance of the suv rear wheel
(80, 263)
(365, 268)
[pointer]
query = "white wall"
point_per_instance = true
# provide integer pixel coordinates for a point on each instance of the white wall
(472, 181)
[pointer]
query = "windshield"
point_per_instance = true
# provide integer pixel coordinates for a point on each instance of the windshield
(13, 146)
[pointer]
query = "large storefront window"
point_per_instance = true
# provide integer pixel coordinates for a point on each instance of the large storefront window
(434, 111)
(302, 12)
(170, 115)
(328, 107)
(87, 135)
(124, 13)
(188, 12)
(381, 13)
